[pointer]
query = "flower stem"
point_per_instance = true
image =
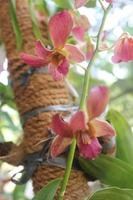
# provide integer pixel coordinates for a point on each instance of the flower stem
(87, 73)
(68, 169)
(82, 103)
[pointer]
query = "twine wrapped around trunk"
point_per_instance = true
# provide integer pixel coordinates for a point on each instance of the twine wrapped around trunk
(37, 91)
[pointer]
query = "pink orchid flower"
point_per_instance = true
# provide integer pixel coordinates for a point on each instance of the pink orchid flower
(79, 3)
(60, 26)
(86, 133)
(123, 51)
(81, 26)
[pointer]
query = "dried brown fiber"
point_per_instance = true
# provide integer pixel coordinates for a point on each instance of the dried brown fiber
(39, 91)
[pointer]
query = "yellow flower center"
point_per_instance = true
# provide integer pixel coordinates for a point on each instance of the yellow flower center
(86, 135)
(57, 58)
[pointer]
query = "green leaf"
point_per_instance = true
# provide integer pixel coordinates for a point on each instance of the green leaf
(35, 26)
(42, 6)
(91, 4)
(19, 193)
(113, 194)
(48, 191)
(109, 170)
(15, 25)
(6, 96)
(4, 116)
(68, 4)
(124, 138)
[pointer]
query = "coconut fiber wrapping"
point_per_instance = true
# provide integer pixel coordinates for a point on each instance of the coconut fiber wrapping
(38, 90)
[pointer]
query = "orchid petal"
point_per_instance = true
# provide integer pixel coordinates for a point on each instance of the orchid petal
(101, 128)
(130, 48)
(63, 67)
(118, 52)
(123, 49)
(78, 32)
(77, 121)
(84, 22)
(97, 101)
(32, 60)
(57, 76)
(90, 151)
(90, 51)
(79, 3)
(74, 54)
(58, 72)
(81, 21)
(116, 59)
(41, 51)
(60, 26)
(60, 127)
(59, 145)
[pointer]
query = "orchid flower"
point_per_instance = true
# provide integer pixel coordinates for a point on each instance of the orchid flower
(57, 60)
(79, 3)
(81, 26)
(123, 51)
(85, 131)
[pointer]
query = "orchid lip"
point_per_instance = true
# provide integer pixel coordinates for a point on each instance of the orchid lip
(57, 58)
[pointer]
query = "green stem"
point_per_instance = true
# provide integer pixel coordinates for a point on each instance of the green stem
(82, 103)
(68, 169)
(87, 73)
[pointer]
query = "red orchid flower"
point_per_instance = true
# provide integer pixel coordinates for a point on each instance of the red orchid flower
(60, 26)
(123, 51)
(86, 133)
